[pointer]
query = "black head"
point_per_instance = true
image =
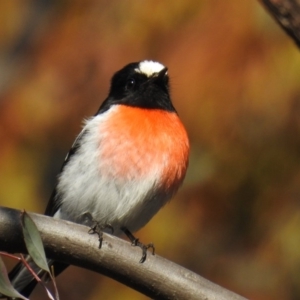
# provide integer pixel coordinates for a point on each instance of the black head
(141, 84)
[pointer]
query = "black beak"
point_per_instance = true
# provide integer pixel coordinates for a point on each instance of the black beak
(163, 72)
(159, 76)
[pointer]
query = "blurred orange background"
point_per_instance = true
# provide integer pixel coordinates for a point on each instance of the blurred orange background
(235, 83)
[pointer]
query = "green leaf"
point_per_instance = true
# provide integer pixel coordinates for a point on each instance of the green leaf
(6, 287)
(34, 242)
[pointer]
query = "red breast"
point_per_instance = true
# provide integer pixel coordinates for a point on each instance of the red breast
(142, 142)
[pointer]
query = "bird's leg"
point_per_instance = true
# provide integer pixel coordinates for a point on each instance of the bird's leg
(96, 227)
(135, 242)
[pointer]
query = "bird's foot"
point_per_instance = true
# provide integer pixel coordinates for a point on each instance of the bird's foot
(98, 228)
(135, 242)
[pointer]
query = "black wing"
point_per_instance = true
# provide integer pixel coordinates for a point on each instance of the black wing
(55, 199)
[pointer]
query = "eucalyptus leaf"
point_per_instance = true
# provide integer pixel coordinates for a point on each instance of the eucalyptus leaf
(34, 242)
(6, 287)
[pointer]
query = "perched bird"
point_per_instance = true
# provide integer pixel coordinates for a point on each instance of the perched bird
(127, 162)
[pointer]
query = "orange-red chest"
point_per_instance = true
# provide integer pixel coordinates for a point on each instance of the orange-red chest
(137, 143)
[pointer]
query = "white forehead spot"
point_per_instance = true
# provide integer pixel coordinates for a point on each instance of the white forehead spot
(149, 67)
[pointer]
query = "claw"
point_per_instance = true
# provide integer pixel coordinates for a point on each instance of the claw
(135, 242)
(144, 249)
(98, 228)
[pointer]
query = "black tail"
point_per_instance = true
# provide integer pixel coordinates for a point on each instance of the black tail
(21, 278)
(24, 282)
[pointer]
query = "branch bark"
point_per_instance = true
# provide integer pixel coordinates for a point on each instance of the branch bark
(70, 243)
(287, 15)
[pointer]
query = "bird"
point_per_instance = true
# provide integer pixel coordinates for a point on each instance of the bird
(127, 162)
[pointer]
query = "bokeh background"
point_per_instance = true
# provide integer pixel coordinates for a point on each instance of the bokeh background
(235, 83)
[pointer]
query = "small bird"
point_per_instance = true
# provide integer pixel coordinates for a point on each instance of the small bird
(126, 163)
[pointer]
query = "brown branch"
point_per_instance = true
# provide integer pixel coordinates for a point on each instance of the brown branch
(287, 15)
(70, 243)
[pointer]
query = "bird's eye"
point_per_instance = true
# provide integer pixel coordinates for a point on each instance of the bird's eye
(130, 84)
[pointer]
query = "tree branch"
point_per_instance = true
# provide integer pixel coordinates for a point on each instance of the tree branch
(287, 15)
(70, 243)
